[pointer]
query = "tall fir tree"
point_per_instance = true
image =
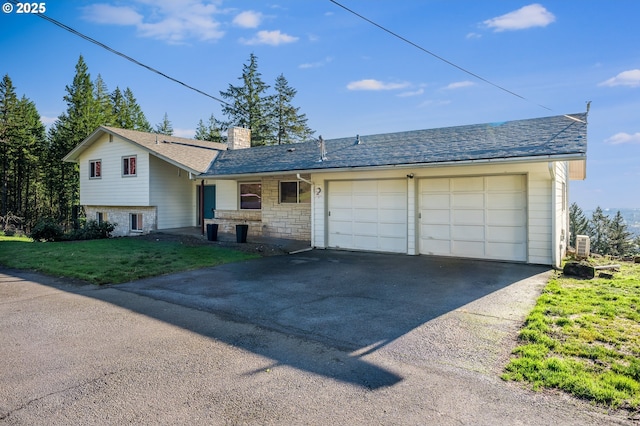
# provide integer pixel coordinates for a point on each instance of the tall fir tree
(22, 139)
(578, 223)
(599, 231)
(82, 117)
(620, 241)
(135, 111)
(127, 113)
(210, 131)
(103, 101)
(292, 126)
(250, 106)
(164, 127)
(8, 128)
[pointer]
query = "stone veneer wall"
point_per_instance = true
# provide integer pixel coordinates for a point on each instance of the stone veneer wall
(228, 219)
(120, 216)
(288, 220)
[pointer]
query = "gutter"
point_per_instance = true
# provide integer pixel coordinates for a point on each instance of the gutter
(515, 160)
(554, 249)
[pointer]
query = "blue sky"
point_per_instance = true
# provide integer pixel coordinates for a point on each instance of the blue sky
(353, 78)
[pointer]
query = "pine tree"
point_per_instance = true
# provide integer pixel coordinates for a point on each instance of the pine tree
(292, 126)
(209, 132)
(250, 106)
(578, 223)
(619, 236)
(599, 232)
(164, 127)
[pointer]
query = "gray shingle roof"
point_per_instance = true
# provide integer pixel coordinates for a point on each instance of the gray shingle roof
(548, 137)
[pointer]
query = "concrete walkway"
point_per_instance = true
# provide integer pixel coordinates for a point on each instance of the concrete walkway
(321, 337)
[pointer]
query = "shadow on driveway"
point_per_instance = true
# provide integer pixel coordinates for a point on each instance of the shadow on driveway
(344, 304)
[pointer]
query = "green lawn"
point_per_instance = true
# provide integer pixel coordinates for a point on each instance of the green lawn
(113, 260)
(583, 337)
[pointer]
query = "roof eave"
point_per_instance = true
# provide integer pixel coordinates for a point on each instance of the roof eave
(513, 160)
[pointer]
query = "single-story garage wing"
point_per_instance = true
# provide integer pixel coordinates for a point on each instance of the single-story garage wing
(489, 191)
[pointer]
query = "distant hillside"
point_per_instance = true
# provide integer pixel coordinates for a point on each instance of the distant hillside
(631, 217)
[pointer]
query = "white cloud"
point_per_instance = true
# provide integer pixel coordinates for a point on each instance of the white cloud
(272, 38)
(248, 19)
(623, 138)
(533, 15)
(116, 15)
(371, 84)
(459, 85)
(174, 22)
(318, 64)
(629, 78)
(434, 103)
(411, 93)
(473, 36)
(184, 133)
(47, 121)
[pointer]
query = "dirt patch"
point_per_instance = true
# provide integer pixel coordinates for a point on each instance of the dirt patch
(261, 249)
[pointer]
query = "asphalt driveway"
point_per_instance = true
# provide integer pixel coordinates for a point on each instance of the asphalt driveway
(321, 337)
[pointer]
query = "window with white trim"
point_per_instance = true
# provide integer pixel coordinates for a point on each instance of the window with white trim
(295, 192)
(95, 169)
(250, 196)
(135, 220)
(129, 166)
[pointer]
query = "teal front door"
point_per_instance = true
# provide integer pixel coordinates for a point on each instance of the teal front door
(209, 201)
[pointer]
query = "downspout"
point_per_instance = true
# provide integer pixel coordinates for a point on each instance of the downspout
(202, 207)
(554, 249)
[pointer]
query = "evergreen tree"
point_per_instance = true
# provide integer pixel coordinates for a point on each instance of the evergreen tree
(82, 117)
(164, 127)
(599, 232)
(23, 143)
(578, 223)
(619, 236)
(292, 126)
(127, 113)
(138, 118)
(250, 106)
(103, 101)
(8, 128)
(209, 132)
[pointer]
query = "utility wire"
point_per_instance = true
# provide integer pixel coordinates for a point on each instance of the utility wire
(130, 59)
(435, 55)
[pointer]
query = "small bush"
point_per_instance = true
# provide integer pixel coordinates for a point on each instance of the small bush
(92, 230)
(47, 229)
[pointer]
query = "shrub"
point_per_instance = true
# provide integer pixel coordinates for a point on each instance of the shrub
(47, 229)
(92, 230)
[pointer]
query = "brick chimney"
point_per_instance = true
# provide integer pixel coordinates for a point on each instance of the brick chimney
(239, 138)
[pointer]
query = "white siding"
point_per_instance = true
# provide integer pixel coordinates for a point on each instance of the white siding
(113, 189)
(560, 201)
(227, 194)
(538, 202)
(173, 194)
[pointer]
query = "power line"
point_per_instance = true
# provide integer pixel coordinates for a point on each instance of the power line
(435, 55)
(130, 59)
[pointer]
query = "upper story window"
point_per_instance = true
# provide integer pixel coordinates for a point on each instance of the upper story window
(95, 169)
(295, 192)
(250, 196)
(129, 166)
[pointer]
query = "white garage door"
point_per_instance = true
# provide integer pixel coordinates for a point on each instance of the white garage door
(479, 217)
(368, 215)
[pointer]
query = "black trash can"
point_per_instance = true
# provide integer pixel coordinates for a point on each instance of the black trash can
(241, 233)
(212, 231)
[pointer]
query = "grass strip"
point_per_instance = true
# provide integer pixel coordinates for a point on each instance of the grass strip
(583, 337)
(114, 260)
